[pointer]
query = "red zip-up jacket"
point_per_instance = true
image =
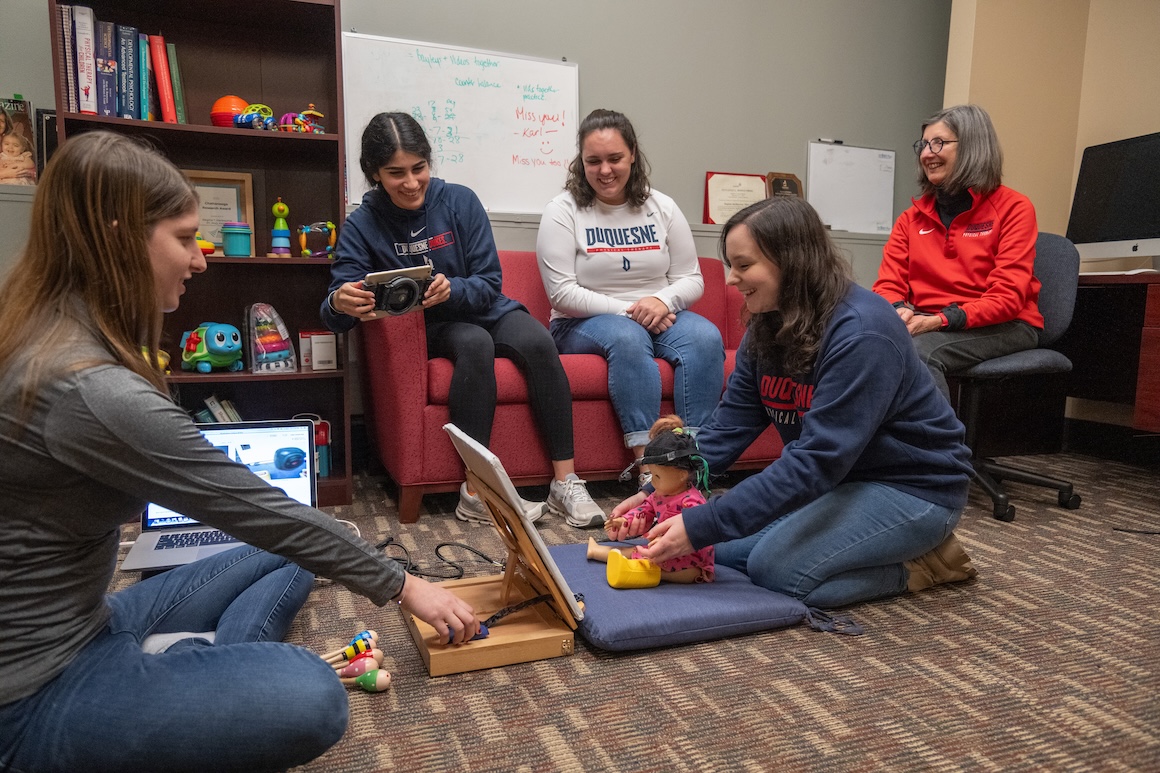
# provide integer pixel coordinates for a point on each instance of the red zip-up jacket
(983, 263)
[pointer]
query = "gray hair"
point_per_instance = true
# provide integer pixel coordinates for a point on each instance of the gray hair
(978, 160)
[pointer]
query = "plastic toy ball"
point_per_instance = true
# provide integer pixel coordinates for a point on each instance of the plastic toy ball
(212, 345)
(326, 228)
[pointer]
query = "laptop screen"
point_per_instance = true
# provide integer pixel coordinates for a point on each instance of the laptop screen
(279, 452)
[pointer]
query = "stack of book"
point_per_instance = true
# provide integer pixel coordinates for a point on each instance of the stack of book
(217, 411)
(117, 69)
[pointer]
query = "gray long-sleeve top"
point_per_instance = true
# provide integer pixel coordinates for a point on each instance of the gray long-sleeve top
(98, 445)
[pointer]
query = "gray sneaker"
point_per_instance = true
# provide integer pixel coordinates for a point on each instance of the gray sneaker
(472, 509)
(570, 499)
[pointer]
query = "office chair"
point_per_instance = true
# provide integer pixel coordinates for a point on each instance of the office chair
(1057, 268)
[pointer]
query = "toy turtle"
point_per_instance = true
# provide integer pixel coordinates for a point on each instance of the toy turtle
(211, 345)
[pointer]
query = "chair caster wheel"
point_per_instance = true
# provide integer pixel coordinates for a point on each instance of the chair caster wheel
(1005, 513)
(1069, 501)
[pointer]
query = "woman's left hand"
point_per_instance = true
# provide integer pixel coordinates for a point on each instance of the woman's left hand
(649, 312)
(437, 292)
(923, 323)
(666, 540)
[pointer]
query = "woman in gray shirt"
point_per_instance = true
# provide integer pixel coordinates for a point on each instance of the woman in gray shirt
(88, 435)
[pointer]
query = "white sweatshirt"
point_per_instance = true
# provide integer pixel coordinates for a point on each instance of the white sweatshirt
(601, 259)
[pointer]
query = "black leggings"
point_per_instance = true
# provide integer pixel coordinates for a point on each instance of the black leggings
(521, 339)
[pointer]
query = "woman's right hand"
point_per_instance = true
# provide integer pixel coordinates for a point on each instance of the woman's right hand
(351, 299)
(627, 529)
(652, 314)
(439, 608)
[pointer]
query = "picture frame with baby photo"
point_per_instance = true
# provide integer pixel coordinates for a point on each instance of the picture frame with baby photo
(17, 143)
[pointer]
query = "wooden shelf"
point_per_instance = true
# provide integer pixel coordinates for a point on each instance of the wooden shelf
(224, 377)
(284, 54)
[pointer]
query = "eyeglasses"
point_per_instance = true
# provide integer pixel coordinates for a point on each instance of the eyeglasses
(935, 145)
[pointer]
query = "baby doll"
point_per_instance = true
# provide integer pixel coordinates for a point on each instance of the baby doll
(15, 157)
(680, 479)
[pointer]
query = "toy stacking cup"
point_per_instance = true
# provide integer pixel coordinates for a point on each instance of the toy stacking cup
(236, 240)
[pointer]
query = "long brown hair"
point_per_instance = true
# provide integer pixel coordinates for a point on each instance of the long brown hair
(815, 277)
(86, 265)
(637, 191)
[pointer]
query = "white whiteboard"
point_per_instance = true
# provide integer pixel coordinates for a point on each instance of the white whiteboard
(852, 188)
(503, 125)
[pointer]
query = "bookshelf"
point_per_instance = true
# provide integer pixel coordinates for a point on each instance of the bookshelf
(285, 54)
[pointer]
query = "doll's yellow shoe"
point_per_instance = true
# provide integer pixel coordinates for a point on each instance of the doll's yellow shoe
(625, 573)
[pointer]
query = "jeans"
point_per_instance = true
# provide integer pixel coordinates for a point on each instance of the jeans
(692, 346)
(844, 547)
(246, 702)
(519, 337)
(946, 351)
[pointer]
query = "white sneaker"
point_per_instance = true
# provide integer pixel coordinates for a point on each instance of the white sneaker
(472, 509)
(570, 499)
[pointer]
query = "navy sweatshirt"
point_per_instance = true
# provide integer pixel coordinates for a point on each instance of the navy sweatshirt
(451, 229)
(867, 411)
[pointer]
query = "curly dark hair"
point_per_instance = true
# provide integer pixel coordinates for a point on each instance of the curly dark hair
(637, 191)
(385, 135)
(815, 277)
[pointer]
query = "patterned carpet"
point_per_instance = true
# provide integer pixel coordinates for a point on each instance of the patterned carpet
(1049, 660)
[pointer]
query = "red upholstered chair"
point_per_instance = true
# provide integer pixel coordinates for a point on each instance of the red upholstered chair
(405, 397)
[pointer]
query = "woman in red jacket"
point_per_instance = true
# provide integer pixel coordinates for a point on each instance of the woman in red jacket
(958, 264)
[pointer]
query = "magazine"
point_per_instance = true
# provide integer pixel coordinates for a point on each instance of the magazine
(17, 143)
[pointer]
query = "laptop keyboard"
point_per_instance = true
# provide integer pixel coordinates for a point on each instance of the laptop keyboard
(193, 539)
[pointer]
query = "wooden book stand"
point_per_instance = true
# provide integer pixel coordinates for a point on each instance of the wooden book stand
(535, 632)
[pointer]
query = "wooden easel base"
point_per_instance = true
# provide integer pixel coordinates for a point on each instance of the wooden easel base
(534, 633)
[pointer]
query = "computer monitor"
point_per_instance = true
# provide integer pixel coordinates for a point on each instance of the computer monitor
(1116, 209)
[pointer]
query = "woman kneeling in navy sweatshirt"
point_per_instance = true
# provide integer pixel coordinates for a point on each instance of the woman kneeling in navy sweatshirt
(873, 476)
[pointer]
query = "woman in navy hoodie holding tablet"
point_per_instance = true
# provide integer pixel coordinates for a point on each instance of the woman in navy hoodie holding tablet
(873, 475)
(408, 218)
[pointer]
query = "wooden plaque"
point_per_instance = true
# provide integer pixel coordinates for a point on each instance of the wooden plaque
(783, 184)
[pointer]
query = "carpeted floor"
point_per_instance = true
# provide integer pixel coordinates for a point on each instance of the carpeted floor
(1049, 660)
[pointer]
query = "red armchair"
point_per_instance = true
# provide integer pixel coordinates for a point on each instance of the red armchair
(405, 397)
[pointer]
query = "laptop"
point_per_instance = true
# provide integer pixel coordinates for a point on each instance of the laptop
(279, 452)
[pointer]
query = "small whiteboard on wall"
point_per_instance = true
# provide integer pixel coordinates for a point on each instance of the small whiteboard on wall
(503, 125)
(852, 188)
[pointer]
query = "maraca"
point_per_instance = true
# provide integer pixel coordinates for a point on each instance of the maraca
(371, 681)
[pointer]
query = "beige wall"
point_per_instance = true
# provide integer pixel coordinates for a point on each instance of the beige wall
(1121, 78)
(1056, 76)
(1025, 66)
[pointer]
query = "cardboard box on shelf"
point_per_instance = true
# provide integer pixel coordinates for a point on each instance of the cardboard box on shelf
(319, 350)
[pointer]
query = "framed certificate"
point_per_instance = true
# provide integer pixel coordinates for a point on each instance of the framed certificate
(727, 193)
(226, 197)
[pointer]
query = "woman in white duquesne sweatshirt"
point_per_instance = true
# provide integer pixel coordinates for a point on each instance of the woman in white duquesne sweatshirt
(620, 269)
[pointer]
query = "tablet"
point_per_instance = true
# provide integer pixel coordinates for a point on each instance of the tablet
(518, 531)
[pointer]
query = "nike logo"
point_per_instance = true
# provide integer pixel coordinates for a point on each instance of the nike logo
(650, 214)
(416, 233)
(921, 232)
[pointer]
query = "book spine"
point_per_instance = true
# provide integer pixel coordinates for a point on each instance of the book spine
(215, 407)
(178, 86)
(127, 74)
(143, 72)
(164, 83)
(231, 410)
(106, 68)
(84, 30)
(68, 54)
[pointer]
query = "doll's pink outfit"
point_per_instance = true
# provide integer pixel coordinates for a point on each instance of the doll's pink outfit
(658, 508)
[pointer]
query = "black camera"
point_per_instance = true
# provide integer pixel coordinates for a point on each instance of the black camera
(400, 290)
